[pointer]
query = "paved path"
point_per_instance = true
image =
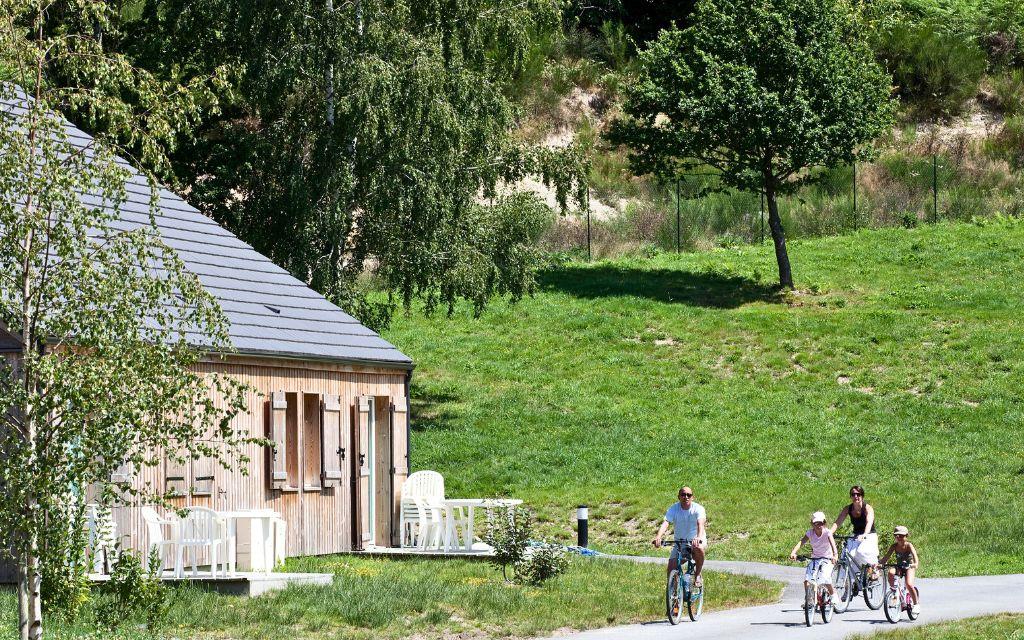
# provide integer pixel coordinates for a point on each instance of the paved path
(941, 599)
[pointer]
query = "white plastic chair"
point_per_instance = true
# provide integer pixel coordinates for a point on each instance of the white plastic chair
(155, 530)
(422, 510)
(202, 529)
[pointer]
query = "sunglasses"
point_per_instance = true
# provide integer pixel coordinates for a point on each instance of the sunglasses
(856, 495)
(686, 495)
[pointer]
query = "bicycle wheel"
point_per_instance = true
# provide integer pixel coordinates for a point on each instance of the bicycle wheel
(673, 604)
(810, 597)
(695, 603)
(843, 582)
(874, 590)
(826, 607)
(891, 604)
(910, 611)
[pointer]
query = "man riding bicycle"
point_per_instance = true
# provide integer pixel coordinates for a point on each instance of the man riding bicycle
(689, 522)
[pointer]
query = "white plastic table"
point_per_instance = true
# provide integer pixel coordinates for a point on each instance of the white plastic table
(472, 504)
(260, 538)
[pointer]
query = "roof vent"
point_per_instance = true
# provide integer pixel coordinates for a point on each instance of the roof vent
(273, 309)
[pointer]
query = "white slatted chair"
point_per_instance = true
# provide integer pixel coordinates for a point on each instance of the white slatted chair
(422, 512)
(155, 528)
(202, 529)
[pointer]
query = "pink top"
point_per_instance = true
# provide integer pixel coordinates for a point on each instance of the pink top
(821, 547)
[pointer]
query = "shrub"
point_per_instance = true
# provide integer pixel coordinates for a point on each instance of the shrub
(936, 70)
(542, 563)
(1008, 92)
(509, 534)
(1009, 143)
(132, 593)
(65, 582)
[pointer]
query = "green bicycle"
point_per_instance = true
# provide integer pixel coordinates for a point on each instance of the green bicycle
(680, 589)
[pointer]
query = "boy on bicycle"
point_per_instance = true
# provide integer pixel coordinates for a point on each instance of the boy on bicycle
(906, 563)
(823, 553)
(689, 521)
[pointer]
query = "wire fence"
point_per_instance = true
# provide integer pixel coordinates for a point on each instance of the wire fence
(899, 190)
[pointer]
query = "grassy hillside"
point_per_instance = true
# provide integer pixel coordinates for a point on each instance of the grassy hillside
(898, 366)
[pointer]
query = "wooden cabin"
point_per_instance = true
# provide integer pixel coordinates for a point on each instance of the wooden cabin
(329, 392)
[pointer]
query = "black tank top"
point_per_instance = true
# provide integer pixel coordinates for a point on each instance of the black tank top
(861, 523)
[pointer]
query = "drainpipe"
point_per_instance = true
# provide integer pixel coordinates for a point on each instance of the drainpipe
(408, 422)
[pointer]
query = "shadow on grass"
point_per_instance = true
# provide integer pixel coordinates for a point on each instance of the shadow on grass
(432, 408)
(698, 289)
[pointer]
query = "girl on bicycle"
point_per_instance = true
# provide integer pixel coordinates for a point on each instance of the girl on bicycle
(906, 562)
(823, 553)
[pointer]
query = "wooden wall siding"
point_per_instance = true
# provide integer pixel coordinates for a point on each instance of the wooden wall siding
(319, 519)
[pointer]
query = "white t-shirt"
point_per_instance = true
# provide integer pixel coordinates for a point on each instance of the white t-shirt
(684, 521)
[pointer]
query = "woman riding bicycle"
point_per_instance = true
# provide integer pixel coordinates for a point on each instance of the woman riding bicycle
(863, 547)
(906, 563)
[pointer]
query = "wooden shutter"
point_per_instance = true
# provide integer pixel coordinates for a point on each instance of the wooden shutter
(278, 435)
(175, 477)
(361, 505)
(332, 450)
(400, 462)
(203, 469)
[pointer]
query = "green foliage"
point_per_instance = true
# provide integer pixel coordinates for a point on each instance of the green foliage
(362, 135)
(1008, 92)
(758, 93)
(1008, 144)
(934, 69)
(132, 594)
(104, 314)
(542, 563)
(796, 91)
(508, 531)
(65, 565)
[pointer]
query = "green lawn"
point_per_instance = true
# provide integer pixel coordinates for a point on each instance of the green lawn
(898, 365)
(1003, 627)
(388, 598)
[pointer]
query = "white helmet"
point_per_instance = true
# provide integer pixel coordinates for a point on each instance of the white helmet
(818, 516)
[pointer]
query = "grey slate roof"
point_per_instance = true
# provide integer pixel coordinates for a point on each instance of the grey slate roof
(271, 312)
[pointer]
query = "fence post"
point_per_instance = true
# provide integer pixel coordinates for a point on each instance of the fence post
(935, 188)
(762, 215)
(856, 220)
(678, 243)
(590, 256)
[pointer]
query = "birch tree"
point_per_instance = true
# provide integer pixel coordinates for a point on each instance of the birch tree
(101, 322)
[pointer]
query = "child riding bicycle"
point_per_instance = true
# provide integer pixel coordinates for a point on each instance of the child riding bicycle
(823, 553)
(906, 562)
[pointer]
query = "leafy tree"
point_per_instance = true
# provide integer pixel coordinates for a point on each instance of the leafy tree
(760, 92)
(94, 313)
(367, 136)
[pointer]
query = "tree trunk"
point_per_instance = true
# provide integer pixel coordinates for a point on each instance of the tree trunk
(30, 603)
(778, 236)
